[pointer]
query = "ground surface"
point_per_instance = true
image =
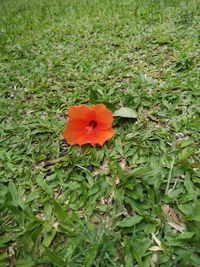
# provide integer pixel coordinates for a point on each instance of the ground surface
(133, 202)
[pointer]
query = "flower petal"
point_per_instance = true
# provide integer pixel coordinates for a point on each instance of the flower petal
(103, 116)
(80, 112)
(74, 130)
(100, 136)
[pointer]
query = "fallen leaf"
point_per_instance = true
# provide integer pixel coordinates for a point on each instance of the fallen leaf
(125, 113)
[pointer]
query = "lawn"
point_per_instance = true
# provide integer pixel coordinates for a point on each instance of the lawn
(136, 200)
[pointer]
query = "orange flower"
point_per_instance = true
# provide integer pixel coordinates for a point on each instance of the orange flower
(89, 125)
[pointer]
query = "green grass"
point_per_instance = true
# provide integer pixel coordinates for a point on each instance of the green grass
(134, 201)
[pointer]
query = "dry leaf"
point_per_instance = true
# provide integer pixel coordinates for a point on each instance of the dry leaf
(155, 248)
(157, 241)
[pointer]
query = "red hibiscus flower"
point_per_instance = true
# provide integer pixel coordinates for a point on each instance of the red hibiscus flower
(89, 125)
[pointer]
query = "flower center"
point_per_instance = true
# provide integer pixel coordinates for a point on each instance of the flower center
(93, 124)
